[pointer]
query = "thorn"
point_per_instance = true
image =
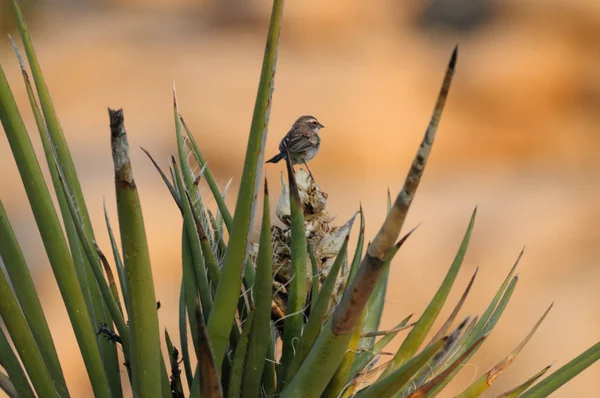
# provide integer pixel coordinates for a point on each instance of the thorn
(453, 58)
(405, 237)
(197, 180)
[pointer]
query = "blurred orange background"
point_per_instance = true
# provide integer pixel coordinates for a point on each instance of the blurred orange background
(519, 138)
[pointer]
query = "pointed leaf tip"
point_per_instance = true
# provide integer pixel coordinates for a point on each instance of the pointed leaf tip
(464, 323)
(17, 53)
(266, 187)
(174, 95)
(405, 237)
(453, 57)
(351, 220)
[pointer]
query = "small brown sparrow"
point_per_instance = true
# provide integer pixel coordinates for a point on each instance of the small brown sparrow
(302, 141)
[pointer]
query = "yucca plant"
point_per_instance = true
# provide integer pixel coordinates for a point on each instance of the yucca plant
(292, 315)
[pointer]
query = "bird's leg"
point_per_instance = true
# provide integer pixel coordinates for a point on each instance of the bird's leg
(309, 172)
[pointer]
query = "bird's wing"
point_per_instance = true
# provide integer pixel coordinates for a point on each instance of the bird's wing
(299, 140)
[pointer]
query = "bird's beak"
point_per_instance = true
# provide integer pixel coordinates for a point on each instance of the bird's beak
(321, 126)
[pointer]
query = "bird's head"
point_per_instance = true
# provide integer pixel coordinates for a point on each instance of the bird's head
(309, 121)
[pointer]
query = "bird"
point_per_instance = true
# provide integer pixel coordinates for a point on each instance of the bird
(302, 142)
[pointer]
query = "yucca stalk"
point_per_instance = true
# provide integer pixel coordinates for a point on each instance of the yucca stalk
(294, 315)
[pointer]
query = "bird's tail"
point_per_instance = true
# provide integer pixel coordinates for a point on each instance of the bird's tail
(276, 158)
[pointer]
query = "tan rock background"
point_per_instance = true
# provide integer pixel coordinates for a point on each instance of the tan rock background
(519, 138)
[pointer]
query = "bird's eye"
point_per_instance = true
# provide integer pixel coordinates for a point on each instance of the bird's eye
(314, 123)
